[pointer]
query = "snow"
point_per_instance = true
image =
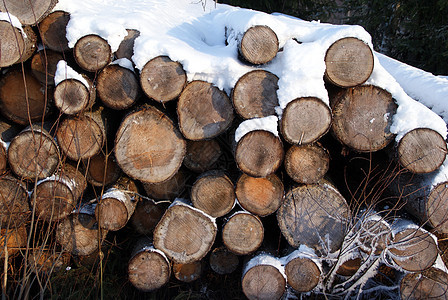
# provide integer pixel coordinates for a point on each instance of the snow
(302, 252)
(64, 71)
(185, 202)
(4, 16)
(267, 260)
(69, 182)
(115, 194)
(124, 63)
(269, 124)
(152, 249)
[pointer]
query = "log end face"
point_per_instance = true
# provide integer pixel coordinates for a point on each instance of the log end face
(92, 53)
(259, 45)
(148, 270)
(263, 282)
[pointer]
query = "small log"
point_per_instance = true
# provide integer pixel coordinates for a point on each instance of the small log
(302, 269)
(362, 117)
(56, 196)
(243, 233)
(117, 87)
(8, 131)
(101, 169)
(185, 234)
(213, 193)
(259, 153)
(71, 96)
(263, 278)
(14, 205)
(53, 31)
(204, 111)
(148, 269)
(314, 215)
(126, 48)
(169, 189)
(117, 205)
(223, 262)
(258, 45)
(78, 233)
(33, 153)
(430, 284)
(148, 146)
(202, 155)
(44, 65)
(16, 47)
(412, 247)
(147, 214)
(255, 94)
(23, 102)
(305, 120)
(162, 79)
(92, 53)
(82, 136)
(47, 261)
(188, 272)
(28, 12)
(348, 62)
(260, 196)
(12, 240)
(307, 164)
(422, 150)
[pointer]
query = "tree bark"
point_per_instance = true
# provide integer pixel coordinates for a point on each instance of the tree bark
(53, 31)
(202, 155)
(258, 45)
(28, 12)
(92, 53)
(14, 205)
(126, 48)
(430, 284)
(188, 272)
(16, 47)
(44, 64)
(223, 262)
(8, 131)
(147, 215)
(72, 96)
(169, 189)
(101, 169)
(204, 111)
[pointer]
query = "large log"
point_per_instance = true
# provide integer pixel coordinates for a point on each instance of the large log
(147, 215)
(148, 146)
(258, 45)
(422, 150)
(168, 189)
(92, 53)
(16, 46)
(101, 169)
(255, 94)
(12, 241)
(204, 111)
(163, 79)
(305, 120)
(28, 12)
(23, 99)
(261, 196)
(33, 153)
(349, 62)
(202, 155)
(185, 234)
(213, 193)
(243, 233)
(430, 284)
(14, 205)
(362, 117)
(222, 261)
(53, 31)
(315, 215)
(44, 65)
(56, 196)
(72, 96)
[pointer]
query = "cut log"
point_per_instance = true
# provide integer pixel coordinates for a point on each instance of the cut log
(44, 64)
(302, 270)
(33, 153)
(53, 31)
(163, 79)
(56, 196)
(47, 261)
(412, 247)
(71, 96)
(169, 189)
(185, 234)
(148, 146)
(260, 196)
(12, 240)
(8, 131)
(23, 102)
(118, 87)
(213, 193)
(78, 233)
(258, 45)
(188, 272)
(126, 48)
(14, 206)
(362, 117)
(263, 278)
(202, 155)
(147, 214)
(223, 262)
(28, 12)
(314, 215)
(348, 62)
(149, 269)
(83, 136)
(92, 53)
(16, 47)
(117, 204)
(422, 150)
(255, 94)
(243, 233)
(305, 120)
(349, 267)
(307, 164)
(101, 170)
(204, 111)
(430, 284)
(259, 153)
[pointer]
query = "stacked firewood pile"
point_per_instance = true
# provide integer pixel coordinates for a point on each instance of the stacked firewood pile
(90, 146)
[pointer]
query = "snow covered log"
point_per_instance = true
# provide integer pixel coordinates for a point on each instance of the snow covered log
(222, 261)
(12, 240)
(243, 233)
(258, 45)
(44, 65)
(168, 189)
(14, 202)
(18, 44)
(72, 96)
(28, 12)
(202, 155)
(101, 169)
(147, 214)
(53, 31)
(188, 272)
(92, 53)
(429, 284)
